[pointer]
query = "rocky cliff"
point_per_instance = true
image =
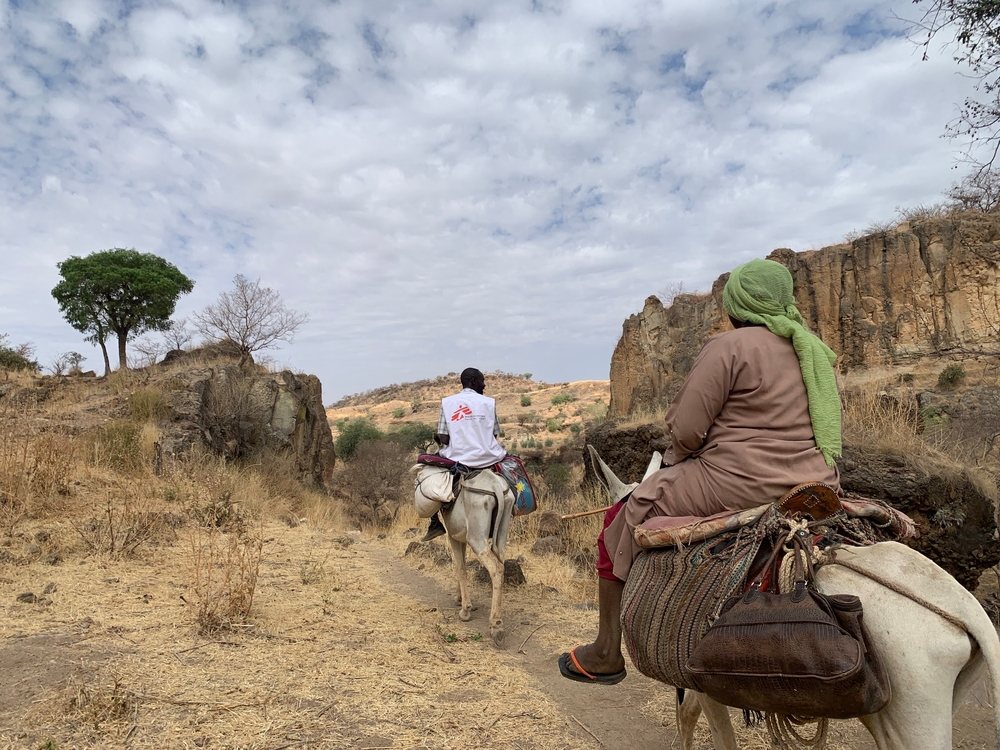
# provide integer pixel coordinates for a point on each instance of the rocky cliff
(924, 289)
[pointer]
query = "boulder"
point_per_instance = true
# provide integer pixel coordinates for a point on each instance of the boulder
(236, 412)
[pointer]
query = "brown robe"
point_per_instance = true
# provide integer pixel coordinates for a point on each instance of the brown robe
(741, 437)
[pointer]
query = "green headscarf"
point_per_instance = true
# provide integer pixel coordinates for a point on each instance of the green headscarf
(760, 292)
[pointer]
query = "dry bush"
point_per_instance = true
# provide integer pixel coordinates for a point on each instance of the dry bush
(224, 571)
(376, 481)
(127, 522)
(876, 422)
(117, 445)
(98, 706)
(239, 412)
(148, 405)
(35, 468)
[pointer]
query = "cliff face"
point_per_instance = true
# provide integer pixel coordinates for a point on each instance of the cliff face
(924, 289)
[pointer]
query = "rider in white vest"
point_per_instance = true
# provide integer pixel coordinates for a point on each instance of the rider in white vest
(467, 431)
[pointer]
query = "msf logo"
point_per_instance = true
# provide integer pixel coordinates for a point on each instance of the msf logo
(461, 413)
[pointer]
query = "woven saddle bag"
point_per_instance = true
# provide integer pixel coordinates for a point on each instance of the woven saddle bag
(800, 653)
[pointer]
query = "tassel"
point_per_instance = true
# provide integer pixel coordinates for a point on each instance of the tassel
(752, 718)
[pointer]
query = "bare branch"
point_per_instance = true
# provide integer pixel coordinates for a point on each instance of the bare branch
(251, 316)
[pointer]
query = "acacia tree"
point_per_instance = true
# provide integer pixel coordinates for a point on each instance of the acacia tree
(118, 291)
(251, 316)
(977, 40)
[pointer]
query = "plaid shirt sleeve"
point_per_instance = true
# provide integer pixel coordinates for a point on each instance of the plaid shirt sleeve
(442, 423)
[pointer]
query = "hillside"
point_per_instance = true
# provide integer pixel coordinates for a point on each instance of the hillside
(525, 425)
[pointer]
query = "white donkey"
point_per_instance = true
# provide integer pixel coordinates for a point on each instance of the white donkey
(932, 658)
(480, 518)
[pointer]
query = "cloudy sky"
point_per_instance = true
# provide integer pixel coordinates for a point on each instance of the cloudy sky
(446, 183)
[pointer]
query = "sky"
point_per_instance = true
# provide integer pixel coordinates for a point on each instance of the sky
(441, 184)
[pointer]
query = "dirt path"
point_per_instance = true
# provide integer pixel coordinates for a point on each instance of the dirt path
(611, 714)
(354, 645)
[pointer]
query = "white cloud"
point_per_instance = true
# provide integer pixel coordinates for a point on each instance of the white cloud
(453, 183)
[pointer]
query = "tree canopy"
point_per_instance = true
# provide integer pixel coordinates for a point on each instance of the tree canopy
(120, 291)
(977, 38)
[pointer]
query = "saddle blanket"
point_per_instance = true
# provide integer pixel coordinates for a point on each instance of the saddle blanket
(510, 468)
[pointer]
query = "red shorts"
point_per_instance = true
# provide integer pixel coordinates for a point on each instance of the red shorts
(605, 567)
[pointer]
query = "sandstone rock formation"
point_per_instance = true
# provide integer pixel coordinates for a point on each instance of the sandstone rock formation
(235, 413)
(924, 289)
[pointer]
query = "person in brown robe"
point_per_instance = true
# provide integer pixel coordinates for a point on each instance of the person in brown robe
(741, 436)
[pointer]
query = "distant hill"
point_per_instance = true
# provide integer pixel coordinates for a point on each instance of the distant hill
(539, 423)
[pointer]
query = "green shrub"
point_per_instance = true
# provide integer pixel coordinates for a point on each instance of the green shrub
(527, 376)
(553, 425)
(413, 435)
(398, 412)
(549, 442)
(353, 434)
(906, 377)
(11, 359)
(562, 398)
(575, 428)
(557, 477)
(525, 399)
(952, 376)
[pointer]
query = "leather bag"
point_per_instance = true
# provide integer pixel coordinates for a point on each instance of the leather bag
(801, 653)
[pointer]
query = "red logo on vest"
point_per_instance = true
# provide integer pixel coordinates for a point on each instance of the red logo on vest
(462, 412)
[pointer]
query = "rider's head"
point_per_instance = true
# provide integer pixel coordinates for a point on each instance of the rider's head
(473, 378)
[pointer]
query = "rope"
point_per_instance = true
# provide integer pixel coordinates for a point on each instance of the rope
(781, 727)
(908, 594)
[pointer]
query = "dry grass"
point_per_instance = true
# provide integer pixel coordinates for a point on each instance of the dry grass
(223, 577)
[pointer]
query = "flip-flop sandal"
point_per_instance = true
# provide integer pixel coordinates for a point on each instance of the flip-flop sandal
(582, 675)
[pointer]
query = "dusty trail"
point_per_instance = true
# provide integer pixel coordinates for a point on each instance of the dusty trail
(611, 713)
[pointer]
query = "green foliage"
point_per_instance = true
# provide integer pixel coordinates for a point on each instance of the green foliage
(17, 357)
(553, 425)
(119, 291)
(951, 377)
(531, 443)
(413, 435)
(527, 376)
(525, 399)
(906, 377)
(562, 398)
(557, 477)
(353, 434)
(399, 412)
(575, 428)
(549, 442)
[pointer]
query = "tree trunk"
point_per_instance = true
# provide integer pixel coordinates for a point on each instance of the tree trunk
(122, 361)
(107, 360)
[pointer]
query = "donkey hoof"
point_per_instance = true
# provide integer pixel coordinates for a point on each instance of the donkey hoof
(464, 615)
(499, 635)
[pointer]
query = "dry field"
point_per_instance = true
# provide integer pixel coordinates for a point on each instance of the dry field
(222, 607)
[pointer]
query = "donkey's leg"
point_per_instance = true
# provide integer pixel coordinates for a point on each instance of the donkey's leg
(494, 565)
(458, 558)
(688, 711)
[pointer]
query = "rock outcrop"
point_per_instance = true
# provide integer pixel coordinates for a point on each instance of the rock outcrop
(924, 289)
(235, 413)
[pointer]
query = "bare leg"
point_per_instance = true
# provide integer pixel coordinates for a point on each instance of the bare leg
(458, 558)
(723, 736)
(494, 565)
(604, 655)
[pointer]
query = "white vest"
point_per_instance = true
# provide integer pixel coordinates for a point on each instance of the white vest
(471, 418)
